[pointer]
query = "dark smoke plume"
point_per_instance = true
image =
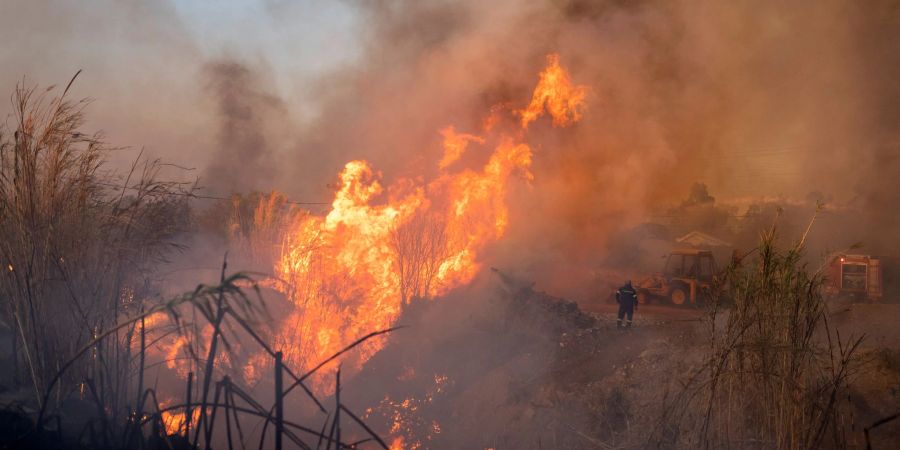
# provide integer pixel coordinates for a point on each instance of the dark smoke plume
(243, 160)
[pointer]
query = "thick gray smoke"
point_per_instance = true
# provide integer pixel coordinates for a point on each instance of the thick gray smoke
(752, 98)
(792, 101)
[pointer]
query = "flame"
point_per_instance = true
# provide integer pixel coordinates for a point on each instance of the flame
(381, 247)
(454, 145)
(352, 271)
(555, 91)
(174, 421)
(408, 428)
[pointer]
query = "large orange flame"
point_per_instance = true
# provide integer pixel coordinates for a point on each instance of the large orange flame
(351, 272)
(563, 101)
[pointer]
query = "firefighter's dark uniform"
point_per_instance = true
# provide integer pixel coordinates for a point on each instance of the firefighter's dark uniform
(626, 297)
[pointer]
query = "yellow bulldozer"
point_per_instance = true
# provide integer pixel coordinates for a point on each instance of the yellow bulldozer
(685, 280)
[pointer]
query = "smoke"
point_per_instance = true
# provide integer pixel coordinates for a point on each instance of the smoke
(138, 62)
(247, 119)
(792, 101)
(753, 99)
(876, 29)
(185, 82)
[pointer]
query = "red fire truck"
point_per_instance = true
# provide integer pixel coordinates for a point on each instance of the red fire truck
(856, 276)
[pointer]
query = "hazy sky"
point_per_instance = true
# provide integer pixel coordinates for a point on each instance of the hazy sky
(747, 96)
(143, 61)
(755, 98)
(296, 38)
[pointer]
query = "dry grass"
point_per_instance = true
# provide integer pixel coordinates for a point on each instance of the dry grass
(77, 248)
(257, 224)
(774, 369)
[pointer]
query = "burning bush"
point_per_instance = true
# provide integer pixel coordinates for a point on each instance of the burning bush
(78, 252)
(384, 244)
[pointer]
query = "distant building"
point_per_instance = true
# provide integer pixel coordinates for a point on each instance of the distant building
(699, 239)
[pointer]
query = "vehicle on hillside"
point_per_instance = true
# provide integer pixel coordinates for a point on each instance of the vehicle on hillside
(686, 279)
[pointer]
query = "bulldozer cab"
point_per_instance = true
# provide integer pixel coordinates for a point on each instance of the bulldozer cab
(690, 264)
(686, 278)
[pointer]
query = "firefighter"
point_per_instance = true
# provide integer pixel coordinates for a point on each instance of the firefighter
(626, 297)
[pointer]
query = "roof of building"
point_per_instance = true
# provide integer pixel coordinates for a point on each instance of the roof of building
(690, 251)
(701, 239)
